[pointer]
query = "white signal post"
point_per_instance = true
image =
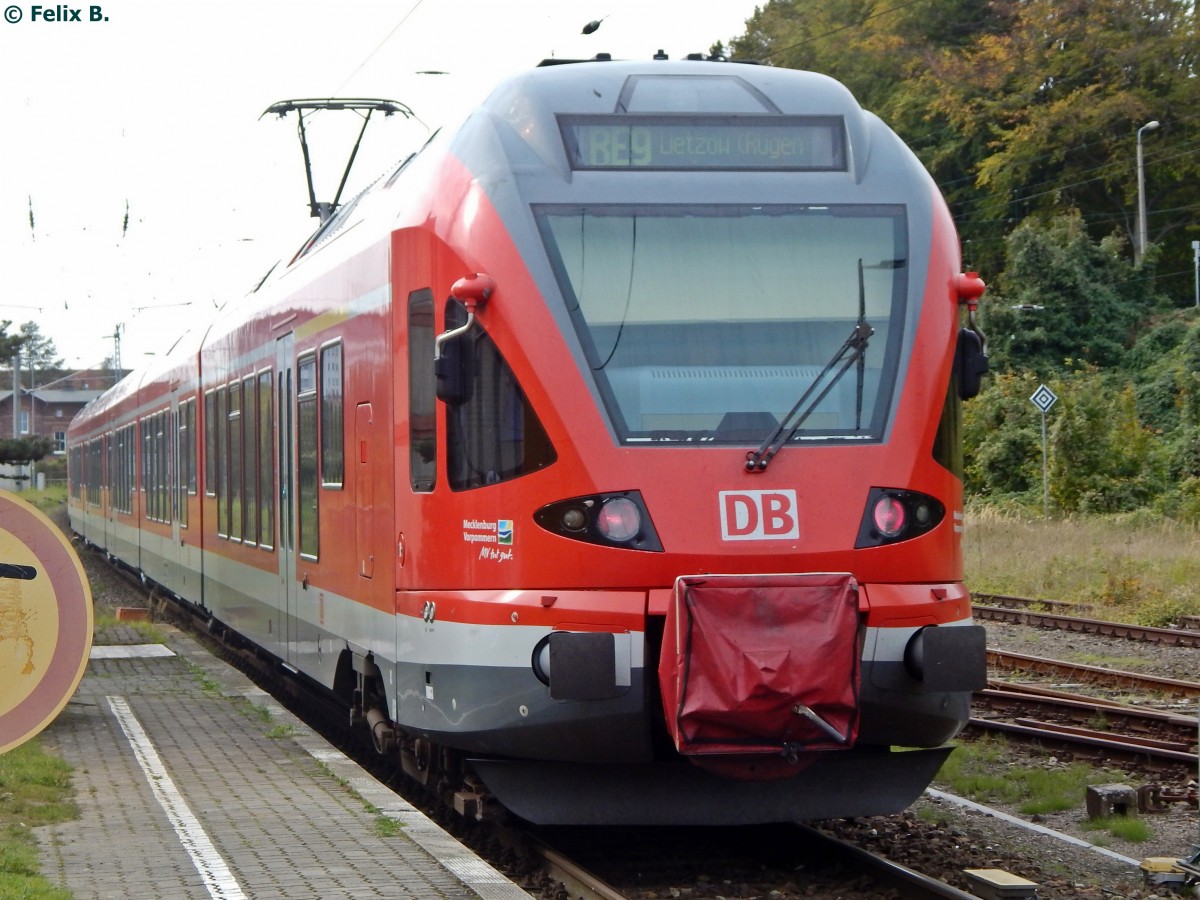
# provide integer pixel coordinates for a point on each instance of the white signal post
(1044, 398)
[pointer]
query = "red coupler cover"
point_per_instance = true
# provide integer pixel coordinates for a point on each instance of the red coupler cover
(761, 663)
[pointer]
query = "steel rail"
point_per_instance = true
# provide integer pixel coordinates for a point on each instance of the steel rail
(1094, 674)
(1132, 740)
(909, 883)
(1103, 745)
(1031, 603)
(1180, 729)
(995, 684)
(1176, 637)
(577, 880)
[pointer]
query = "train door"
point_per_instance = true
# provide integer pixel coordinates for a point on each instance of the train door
(364, 489)
(167, 447)
(286, 443)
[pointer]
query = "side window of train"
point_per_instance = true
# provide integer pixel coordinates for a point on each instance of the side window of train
(266, 463)
(422, 408)
(220, 460)
(152, 466)
(249, 456)
(233, 453)
(947, 442)
(121, 469)
(333, 432)
(492, 432)
(210, 443)
(306, 454)
(186, 480)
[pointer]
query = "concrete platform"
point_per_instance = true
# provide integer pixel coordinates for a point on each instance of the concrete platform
(193, 783)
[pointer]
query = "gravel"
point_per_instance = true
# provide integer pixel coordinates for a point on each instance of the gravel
(1065, 870)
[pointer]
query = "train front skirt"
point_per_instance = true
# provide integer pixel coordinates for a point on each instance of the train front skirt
(760, 679)
(839, 784)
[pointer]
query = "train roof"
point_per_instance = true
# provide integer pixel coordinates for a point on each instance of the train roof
(630, 86)
(532, 103)
(524, 113)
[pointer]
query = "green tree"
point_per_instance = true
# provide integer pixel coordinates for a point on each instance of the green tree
(1102, 458)
(38, 351)
(1057, 96)
(1164, 367)
(1002, 450)
(24, 450)
(1064, 297)
(8, 343)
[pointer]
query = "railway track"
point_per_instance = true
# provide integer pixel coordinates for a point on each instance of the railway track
(1071, 621)
(1010, 601)
(613, 864)
(1094, 675)
(1146, 738)
(907, 882)
(1077, 709)
(1082, 726)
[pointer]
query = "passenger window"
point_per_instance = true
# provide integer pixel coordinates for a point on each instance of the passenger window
(306, 449)
(422, 409)
(236, 496)
(210, 443)
(266, 463)
(493, 434)
(947, 442)
(333, 432)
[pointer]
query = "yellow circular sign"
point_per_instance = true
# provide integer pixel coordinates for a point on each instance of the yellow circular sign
(45, 621)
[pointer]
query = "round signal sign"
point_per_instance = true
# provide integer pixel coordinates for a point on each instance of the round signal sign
(45, 621)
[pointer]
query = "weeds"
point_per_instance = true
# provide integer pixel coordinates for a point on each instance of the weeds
(981, 771)
(1132, 569)
(386, 826)
(1127, 828)
(145, 630)
(35, 788)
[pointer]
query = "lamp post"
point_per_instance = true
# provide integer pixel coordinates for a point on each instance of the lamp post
(1196, 266)
(1141, 178)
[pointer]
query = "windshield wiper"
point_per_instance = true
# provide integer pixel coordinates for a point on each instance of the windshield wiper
(853, 350)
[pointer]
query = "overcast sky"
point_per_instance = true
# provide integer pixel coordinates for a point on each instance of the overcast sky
(156, 105)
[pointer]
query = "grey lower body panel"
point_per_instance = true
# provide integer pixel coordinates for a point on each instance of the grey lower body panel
(841, 784)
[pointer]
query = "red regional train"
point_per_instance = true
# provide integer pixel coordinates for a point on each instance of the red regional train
(603, 458)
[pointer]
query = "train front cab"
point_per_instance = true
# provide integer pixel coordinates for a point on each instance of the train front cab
(609, 698)
(633, 395)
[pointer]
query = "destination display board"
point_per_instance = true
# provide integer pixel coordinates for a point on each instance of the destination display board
(732, 143)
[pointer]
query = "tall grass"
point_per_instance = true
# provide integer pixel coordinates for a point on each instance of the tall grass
(54, 496)
(1138, 569)
(35, 789)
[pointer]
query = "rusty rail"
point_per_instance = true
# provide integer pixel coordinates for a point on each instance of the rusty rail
(1092, 674)
(1175, 637)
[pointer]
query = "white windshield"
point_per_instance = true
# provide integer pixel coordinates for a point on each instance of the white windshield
(709, 323)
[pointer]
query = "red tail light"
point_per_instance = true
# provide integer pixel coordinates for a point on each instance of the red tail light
(889, 516)
(618, 519)
(894, 514)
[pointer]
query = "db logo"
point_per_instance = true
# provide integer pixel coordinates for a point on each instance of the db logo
(759, 515)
